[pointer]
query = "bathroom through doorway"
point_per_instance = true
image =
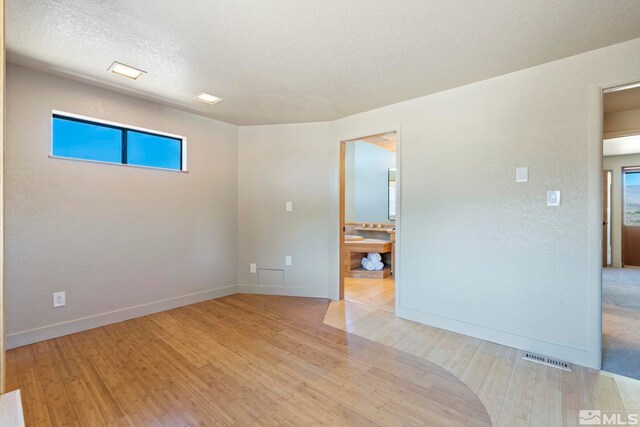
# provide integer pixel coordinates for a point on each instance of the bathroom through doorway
(368, 215)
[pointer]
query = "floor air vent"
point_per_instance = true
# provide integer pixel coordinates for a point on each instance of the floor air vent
(544, 360)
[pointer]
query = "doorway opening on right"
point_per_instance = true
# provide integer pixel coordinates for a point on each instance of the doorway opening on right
(621, 232)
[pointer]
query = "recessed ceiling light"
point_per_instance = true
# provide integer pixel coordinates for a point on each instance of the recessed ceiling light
(208, 98)
(126, 70)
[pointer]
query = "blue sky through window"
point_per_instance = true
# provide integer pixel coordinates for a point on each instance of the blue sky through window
(80, 140)
(152, 150)
(632, 178)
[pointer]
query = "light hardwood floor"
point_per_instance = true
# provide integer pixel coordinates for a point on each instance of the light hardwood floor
(239, 360)
(515, 392)
(378, 293)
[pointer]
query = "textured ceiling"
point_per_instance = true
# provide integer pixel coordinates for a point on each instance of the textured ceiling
(285, 61)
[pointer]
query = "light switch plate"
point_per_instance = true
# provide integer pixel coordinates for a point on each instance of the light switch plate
(553, 198)
(522, 174)
(287, 260)
(252, 268)
(289, 207)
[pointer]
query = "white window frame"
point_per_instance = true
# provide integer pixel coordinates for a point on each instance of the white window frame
(183, 139)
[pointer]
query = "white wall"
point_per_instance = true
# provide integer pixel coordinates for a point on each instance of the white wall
(349, 182)
(280, 164)
(479, 253)
(615, 164)
(115, 238)
(367, 182)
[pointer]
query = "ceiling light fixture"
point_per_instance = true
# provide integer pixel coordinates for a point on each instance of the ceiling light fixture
(208, 98)
(126, 70)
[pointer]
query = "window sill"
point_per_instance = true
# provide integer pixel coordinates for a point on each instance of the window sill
(51, 156)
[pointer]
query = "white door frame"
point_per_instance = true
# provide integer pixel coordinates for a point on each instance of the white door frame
(398, 220)
(596, 130)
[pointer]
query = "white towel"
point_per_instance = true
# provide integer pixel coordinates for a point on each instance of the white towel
(374, 257)
(369, 265)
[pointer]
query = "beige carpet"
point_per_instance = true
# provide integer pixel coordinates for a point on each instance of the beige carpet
(621, 321)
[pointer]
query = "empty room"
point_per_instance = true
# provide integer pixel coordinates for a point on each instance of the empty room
(299, 213)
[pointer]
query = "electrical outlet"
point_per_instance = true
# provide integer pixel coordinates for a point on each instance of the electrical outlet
(252, 268)
(59, 299)
(553, 198)
(522, 174)
(289, 206)
(287, 260)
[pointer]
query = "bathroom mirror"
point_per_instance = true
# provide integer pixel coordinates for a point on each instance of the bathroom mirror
(392, 194)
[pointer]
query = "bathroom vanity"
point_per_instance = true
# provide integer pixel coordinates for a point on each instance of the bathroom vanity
(363, 238)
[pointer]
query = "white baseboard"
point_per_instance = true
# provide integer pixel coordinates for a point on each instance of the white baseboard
(31, 336)
(19, 339)
(569, 354)
(289, 291)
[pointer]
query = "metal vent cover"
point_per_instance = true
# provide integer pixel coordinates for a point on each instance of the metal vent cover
(544, 360)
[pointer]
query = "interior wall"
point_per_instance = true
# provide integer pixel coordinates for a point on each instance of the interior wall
(482, 254)
(615, 164)
(2, 142)
(279, 164)
(349, 181)
(121, 241)
(479, 253)
(367, 182)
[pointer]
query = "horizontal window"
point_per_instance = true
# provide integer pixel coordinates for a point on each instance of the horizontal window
(80, 138)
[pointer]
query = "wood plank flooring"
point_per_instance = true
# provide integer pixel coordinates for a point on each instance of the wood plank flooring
(240, 360)
(378, 293)
(514, 392)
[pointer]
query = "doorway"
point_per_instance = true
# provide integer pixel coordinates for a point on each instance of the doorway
(631, 216)
(621, 232)
(368, 187)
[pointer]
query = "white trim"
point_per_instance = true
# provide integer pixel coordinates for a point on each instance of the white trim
(595, 208)
(618, 88)
(43, 333)
(100, 162)
(183, 139)
(290, 291)
(573, 355)
(122, 125)
(398, 250)
(594, 228)
(334, 291)
(620, 133)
